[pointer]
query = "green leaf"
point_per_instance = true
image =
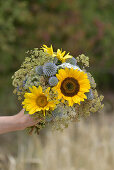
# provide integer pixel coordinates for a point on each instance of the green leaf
(25, 112)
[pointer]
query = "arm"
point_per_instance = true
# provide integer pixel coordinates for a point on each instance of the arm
(16, 122)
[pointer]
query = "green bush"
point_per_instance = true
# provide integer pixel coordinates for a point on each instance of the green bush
(76, 26)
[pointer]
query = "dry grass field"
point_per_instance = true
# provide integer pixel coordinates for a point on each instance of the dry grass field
(87, 145)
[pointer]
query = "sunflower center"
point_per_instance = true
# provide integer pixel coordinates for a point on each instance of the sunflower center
(70, 87)
(41, 101)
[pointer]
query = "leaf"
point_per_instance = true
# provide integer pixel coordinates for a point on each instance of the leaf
(25, 112)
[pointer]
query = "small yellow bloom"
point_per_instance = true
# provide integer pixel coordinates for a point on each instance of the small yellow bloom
(36, 100)
(61, 55)
(48, 50)
(72, 85)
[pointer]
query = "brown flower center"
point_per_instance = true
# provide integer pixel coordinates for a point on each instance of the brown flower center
(70, 87)
(41, 101)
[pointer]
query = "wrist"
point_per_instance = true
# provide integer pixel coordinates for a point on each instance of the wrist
(19, 122)
(10, 124)
(16, 123)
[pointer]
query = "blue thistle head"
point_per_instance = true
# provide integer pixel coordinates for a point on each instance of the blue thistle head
(90, 95)
(49, 69)
(49, 119)
(57, 112)
(39, 70)
(71, 61)
(53, 81)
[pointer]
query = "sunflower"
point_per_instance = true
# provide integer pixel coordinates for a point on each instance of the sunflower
(48, 50)
(72, 85)
(36, 100)
(61, 55)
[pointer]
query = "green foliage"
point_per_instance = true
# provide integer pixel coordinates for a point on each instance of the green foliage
(25, 112)
(84, 26)
(13, 15)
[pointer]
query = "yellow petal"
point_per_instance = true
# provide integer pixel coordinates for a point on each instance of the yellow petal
(70, 102)
(32, 111)
(82, 95)
(76, 99)
(39, 89)
(47, 90)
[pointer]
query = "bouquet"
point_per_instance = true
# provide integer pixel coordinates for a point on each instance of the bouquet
(56, 88)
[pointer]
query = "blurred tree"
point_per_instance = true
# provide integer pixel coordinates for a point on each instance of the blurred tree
(77, 26)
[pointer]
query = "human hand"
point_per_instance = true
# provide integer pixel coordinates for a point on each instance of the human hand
(25, 120)
(19, 121)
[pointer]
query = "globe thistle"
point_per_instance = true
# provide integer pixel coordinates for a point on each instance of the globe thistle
(53, 81)
(49, 69)
(49, 118)
(55, 60)
(90, 95)
(71, 61)
(39, 70)
(57, 112)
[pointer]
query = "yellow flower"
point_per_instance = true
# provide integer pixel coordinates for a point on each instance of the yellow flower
(72, 85)
(61, 55)
(36, 100)
(48, 50)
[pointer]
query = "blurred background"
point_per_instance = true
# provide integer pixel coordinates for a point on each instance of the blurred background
(76, 26)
